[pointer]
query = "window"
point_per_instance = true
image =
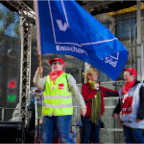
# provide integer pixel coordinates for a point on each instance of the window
(106, 25)
(124, 26)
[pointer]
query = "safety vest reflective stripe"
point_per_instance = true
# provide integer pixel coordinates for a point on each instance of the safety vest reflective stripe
(57, 106)
(57, 97)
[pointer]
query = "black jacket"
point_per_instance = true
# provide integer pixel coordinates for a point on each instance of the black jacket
(140, 113)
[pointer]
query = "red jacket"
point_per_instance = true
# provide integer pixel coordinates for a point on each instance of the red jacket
(88, 94)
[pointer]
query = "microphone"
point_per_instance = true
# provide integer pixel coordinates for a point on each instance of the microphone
(97, 91)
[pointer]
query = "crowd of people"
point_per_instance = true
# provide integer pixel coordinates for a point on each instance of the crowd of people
(57, 106)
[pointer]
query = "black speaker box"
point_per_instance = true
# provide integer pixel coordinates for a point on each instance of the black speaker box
(11, 132)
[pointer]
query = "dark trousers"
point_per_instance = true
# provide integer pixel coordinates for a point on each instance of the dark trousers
(62, 124)
(133, 135)
(90, 129)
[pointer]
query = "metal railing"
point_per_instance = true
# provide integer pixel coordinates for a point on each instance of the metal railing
(3, 110)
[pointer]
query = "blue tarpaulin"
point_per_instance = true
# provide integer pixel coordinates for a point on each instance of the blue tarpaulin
(64, 27)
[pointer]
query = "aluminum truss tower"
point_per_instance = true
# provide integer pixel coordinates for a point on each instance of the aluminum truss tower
(22, 8)
(25, 76)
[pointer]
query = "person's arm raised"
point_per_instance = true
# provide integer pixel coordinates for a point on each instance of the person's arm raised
(37, 81)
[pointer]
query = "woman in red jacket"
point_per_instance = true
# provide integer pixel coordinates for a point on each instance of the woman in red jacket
(93, 95)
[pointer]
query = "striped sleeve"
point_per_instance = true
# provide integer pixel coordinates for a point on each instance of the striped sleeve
(75, 91)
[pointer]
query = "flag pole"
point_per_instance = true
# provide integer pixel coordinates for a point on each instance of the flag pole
(40, 64)
(38, 33)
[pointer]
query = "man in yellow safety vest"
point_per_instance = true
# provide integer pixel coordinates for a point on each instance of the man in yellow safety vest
(57, 106)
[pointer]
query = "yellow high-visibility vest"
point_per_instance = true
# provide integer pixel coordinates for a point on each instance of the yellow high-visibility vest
(57, 97)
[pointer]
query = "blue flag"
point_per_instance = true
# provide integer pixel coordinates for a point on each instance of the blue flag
(64, 27)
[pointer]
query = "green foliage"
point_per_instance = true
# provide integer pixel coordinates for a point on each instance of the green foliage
(1, 14)
(7, 18)
(16, 29)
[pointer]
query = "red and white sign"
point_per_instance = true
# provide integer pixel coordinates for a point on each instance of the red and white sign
(127, 105)
(61, 86)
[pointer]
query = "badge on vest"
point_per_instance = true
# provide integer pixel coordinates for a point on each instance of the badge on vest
(53, 87)
(124, 98)
(61, 86)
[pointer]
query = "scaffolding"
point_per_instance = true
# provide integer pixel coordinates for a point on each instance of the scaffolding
(25, 71)
(22, 8)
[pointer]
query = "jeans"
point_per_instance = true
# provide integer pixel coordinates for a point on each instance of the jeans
(90, 128)
(62, 124)
(133, 135)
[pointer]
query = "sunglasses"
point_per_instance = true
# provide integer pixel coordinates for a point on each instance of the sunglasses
(55, 63)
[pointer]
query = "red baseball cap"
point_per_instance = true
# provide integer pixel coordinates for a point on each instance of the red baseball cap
(57, 59)
(132, 70)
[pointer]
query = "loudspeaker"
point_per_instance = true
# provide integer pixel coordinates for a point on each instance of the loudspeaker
(11, 132)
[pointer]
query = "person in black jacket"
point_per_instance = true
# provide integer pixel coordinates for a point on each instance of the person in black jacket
(131, 103)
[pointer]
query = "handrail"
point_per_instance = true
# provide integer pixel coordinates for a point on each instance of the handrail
(3, 108)
(9, 108)
(111, 98)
